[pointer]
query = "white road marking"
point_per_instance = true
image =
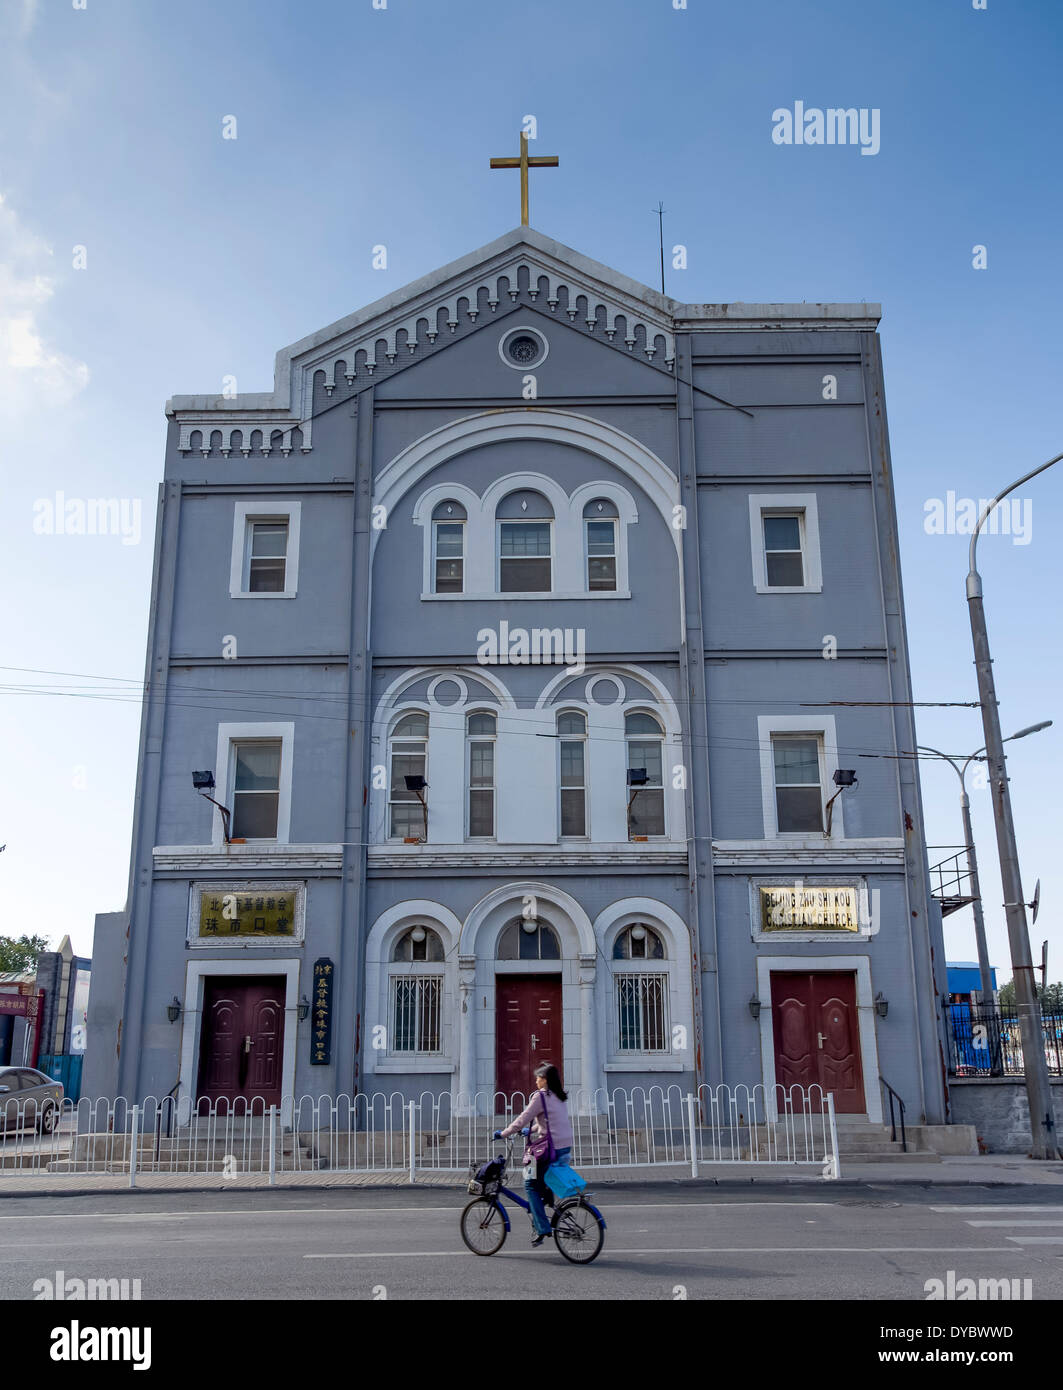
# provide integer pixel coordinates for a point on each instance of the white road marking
(1014, 1222)
(708, 1250)
(339, 1211)
(1037, 1240)
(1002, 1207)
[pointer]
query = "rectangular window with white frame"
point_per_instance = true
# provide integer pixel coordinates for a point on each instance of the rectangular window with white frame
(797, 754)
(265, 551)
(448, 563)
(525, 557)
(784, 538)
(417, 1013)
(255, 761)
(601, 555)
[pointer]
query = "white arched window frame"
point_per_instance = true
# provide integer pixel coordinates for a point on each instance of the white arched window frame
(407, 756)
(381, 968)
(646, 750)
(640, 1016)
(416, 993)
(673, 972)
(572, 774)
(481, 739)
(569, 547)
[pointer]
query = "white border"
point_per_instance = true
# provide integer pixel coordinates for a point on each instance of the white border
(805, 503)
(257, 887)
(197, 970)
(228, 734)
(263, 510)
(824, 725)
(783, 934)
(533, 333)
(865, 1008)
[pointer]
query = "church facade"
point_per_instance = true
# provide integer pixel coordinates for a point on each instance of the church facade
(501, 662)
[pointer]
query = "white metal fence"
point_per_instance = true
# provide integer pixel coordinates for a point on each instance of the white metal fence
(635, 1128)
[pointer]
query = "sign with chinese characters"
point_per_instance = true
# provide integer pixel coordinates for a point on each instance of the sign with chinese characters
(246, 914)
(797, 907)
(14, 1004)
(321, 1014)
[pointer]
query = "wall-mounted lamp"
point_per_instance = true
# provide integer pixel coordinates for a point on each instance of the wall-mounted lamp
(754, 1006)
(204, 782)
(637, 777)
(843, 777)
(882, 1005)
(304, 1008)
(417, 785)
(173, 1011)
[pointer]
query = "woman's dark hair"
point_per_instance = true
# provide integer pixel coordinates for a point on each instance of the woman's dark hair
(553, 1080)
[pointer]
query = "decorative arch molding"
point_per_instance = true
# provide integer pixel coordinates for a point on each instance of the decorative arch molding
(565, 915)
(666, 705)
(387, 927)
(594, 437)
(612, 920)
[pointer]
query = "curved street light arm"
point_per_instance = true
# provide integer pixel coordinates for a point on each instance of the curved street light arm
(974, 582)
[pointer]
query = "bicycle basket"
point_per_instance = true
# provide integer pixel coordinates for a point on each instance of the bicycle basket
(485, 1179)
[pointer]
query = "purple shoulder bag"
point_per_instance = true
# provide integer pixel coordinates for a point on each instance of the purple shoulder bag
(543, 1148)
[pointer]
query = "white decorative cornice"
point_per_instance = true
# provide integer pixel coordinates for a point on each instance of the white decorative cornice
(246, 424)
(755, 855)
(237, 859)
(472, 857)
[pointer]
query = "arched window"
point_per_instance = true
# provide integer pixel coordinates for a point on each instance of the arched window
(645, 775)
(640, 984)
(525, 543)
(528, 940)
(638, 942)
(481, 731)
(416, 993)
(572, 737)
(448, 548)
(419, 943)
(409, 759)
(600, 527)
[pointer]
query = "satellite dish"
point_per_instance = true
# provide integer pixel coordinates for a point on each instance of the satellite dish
(1035, 905)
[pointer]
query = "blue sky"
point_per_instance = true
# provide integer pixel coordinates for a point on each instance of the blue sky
(358, 126)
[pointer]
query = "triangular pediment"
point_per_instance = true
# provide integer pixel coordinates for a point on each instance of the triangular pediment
(414, 322)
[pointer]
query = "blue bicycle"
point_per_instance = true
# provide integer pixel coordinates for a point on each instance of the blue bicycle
(578, 1227)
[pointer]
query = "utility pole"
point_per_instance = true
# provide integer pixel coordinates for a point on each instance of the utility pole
(1035, 1065)
(660, 221)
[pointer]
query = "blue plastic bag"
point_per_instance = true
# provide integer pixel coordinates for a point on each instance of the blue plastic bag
(563, 1181)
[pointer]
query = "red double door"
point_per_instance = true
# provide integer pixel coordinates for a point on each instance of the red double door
(242, 1042)
(527, 1029)
(817, 1035)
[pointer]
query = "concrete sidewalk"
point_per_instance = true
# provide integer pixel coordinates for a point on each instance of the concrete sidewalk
(1001, 1169)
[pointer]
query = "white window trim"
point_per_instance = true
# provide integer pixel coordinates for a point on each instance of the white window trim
(663, 788)
(824, 726)
(522, 521)
(448, 521)
(568, 560)
(587, 557)
(230, 734)
(396, 717)
(416, 970)
(470, 739)
(803, 503)
(675, 935)
(583, 739)
(263, 509)
(386, 931)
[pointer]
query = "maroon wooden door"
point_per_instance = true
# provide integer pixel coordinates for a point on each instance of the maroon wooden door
(242, 1040)
(527, 1029)
(817, 1037)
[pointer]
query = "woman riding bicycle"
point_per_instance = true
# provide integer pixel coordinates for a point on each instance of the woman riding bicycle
(547, 1113)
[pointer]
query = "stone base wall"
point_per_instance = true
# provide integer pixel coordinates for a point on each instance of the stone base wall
(998, 1109)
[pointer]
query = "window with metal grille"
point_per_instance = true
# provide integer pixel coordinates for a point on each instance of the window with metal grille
(642, 1013)
(417, 1003)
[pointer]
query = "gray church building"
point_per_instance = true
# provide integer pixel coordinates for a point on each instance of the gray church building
(525, 639)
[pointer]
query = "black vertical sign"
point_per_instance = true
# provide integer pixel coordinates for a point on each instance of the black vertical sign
(321, 1014)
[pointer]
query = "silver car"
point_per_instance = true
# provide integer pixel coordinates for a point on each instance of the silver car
(28, 1100)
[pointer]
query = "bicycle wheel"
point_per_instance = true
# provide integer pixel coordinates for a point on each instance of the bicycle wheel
(579, 1231)
(483, 1228)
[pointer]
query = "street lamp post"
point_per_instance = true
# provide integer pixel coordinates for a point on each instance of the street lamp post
(984, 968)
(1038, 1090)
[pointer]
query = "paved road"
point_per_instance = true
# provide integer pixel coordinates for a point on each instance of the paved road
(699, 1241)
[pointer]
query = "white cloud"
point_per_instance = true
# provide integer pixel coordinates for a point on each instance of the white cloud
(33, 374)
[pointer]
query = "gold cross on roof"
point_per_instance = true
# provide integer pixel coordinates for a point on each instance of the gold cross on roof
(524, 163)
